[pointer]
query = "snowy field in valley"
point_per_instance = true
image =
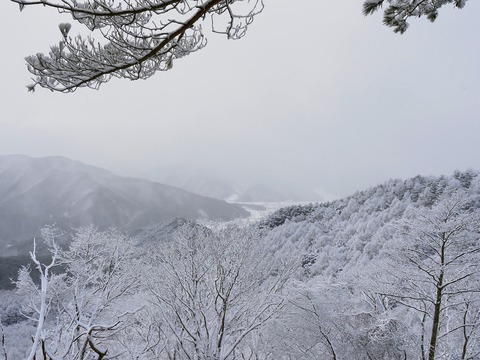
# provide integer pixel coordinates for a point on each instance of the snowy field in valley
(258, 211)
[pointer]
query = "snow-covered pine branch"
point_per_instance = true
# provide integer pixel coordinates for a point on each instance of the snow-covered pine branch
(398, 12)
(137, 38)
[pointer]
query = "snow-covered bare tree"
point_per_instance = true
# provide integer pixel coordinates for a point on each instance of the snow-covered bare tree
(138, 38)
(214, 292)
(101, 280)
(305, 330)
(337, 320)
(81, 311)
(39, 300)
(398, 12)
(434, 270)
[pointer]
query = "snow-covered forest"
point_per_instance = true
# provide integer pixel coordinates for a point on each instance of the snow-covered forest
(391, 272)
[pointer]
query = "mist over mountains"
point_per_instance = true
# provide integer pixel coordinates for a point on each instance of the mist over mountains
(39, 191)
(229, 185)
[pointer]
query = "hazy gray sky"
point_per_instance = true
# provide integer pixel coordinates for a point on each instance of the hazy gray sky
(318, 95)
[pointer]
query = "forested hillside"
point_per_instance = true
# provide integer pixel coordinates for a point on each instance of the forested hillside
(353, 230)
(391, 272)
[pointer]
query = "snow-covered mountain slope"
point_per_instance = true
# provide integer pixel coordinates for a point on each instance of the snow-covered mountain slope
(348, 233)
(39, 191)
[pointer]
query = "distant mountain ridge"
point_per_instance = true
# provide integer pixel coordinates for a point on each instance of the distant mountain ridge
(39, 191)
(224, 186)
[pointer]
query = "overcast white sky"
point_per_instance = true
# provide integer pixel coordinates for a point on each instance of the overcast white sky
(316, 94)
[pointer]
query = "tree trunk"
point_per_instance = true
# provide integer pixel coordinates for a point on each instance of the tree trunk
(436, 320)
(438, 302)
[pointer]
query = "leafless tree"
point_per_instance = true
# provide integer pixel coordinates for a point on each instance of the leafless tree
(80, 310)
(436, 267)
(40, 300)
(214, 292)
